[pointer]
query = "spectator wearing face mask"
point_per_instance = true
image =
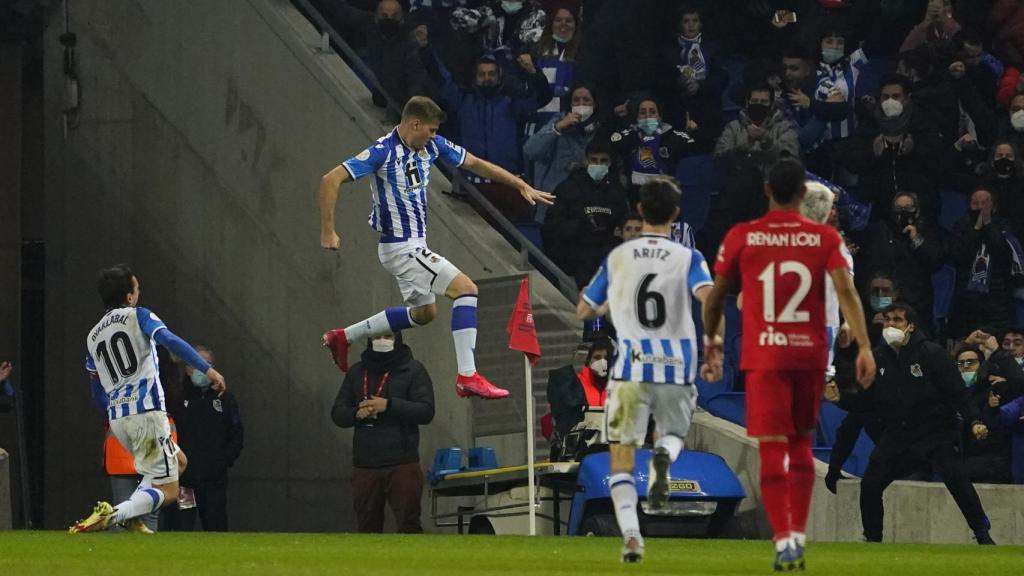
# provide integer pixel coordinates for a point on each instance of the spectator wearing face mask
(594, 376)
(918, 392)
(386, 397)
(556, 54)
(694, 63)
(882, 292)
(1003, 174)
(897, 151)
(391, 53)
(837, 85)
(580, 228)
(1011, 126)
(651, 147)
(1013, 344)
(906, 249)
(211, 435)
(988, 260)
(561, 144)
(747, 147)
(987, 459)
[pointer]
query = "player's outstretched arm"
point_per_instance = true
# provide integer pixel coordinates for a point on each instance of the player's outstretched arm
(329, 185)
(486, 169)
(853, 312)
(186, 352)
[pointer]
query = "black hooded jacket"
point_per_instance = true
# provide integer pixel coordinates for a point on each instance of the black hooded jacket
(393, 437)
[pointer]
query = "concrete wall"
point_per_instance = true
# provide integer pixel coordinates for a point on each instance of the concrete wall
(6, 517)
(203, 133)
(10, 202)
(915, 512)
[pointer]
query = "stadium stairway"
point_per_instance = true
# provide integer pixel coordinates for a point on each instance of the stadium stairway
(197, 157)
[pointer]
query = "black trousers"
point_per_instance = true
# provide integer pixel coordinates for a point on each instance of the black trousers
(211, 509)
(946, 461)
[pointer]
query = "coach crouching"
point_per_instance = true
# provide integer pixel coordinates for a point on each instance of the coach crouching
(386, 396)
(918, 392)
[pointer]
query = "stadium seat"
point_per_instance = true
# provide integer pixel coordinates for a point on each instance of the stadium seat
(831, 417)
(446, 461)
(696, 175)
(952, 207)
(708, 390)
(944, 285)
(731, 406)
(482, 458)
(532, 232)
(822, 454)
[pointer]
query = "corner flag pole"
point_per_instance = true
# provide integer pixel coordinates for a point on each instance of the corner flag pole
(531, 472)
(522, 334)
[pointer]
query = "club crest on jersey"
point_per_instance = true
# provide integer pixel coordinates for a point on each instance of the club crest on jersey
(218, 406)
(364, 155)
(915, 371)
(772, 338)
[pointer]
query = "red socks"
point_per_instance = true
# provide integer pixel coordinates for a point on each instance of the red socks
(775, 488)
(801, 481)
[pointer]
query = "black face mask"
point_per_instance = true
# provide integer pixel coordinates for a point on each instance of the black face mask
(488, 91)
(973, 215)
(757, 112)
(388, 27)
(1003, 167)
(904, 218)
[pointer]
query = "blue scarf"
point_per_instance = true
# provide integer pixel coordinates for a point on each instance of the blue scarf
(691, 54)
(979, 279)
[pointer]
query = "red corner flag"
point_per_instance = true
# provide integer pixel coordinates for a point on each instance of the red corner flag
(522, 332)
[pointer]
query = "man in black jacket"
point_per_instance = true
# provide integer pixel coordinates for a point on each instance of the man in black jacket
(918, 393)
(988, 258)
(387, 396)
(210, 431)
(580, 228)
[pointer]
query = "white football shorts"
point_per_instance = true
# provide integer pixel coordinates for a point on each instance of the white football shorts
(421, 274)
(148, 437)
(630, 405)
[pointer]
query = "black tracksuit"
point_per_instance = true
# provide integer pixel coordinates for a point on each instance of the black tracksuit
(211, 435)
(918, 392)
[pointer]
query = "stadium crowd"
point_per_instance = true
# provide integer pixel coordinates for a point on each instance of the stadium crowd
(912, 111)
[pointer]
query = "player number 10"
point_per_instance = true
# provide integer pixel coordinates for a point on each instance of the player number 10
(790, 312)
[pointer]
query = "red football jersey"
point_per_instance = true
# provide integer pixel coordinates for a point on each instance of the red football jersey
(781, 261)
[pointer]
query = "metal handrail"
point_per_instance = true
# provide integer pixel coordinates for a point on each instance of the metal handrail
(527, 249)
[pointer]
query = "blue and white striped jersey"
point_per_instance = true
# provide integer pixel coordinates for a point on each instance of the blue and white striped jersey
(122, 342)
(648, 283)
(400, 179)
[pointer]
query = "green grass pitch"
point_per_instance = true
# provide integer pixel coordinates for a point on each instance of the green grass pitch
(195, 554)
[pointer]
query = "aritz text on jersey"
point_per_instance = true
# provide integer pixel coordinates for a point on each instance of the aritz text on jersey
(639, 357)
(795, 239)
(653, 253)
(121, 319)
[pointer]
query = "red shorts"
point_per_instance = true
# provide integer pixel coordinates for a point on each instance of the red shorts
(783, 403)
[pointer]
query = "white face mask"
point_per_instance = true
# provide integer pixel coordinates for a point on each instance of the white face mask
(383, 345)
(584, 112)
(892, 108)
(600, 367)
(1020, 360)
(894, 336)
(1017, 119)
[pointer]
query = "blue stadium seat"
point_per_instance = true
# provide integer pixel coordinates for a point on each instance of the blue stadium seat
(532, 232)
(696, 175)
(731, 406)
(1019, 305)
(952, 207)
(822, 454)
(482, 458)
(944, 284)
(446, 461)
(708, 390)
(831, 417)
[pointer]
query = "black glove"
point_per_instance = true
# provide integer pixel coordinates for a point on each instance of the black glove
(833, 477)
